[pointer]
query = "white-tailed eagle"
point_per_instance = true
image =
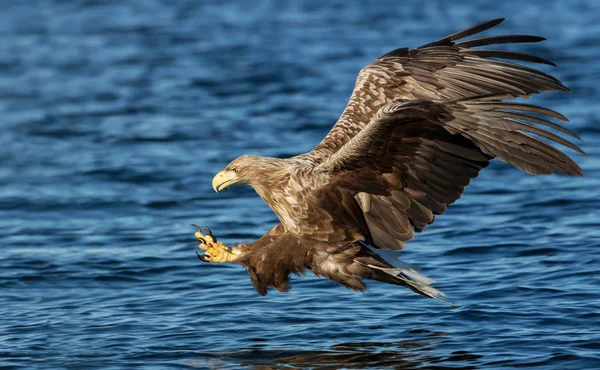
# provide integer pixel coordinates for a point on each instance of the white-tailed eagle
(420, 124)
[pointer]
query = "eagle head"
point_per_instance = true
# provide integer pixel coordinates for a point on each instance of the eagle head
(237, 172)
(251, 170)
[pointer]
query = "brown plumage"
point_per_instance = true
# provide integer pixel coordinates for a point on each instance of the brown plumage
(420, 124)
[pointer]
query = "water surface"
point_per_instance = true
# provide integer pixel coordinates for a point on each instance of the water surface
(115, 117)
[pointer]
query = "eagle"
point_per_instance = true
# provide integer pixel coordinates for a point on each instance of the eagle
(420, 124)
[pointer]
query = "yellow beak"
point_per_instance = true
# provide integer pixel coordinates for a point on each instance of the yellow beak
(223, 179)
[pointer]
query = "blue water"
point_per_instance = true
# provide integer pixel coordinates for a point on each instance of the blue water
(115, 115)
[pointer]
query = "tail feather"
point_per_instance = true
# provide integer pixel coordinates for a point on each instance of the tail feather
(417, 282)
(392, 270)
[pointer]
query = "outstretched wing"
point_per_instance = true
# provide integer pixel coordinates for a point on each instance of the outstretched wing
(415, 158)
(444, 69)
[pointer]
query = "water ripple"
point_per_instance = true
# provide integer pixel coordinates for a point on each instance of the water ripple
(115, 115)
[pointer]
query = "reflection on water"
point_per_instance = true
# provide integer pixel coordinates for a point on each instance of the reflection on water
(405, 354)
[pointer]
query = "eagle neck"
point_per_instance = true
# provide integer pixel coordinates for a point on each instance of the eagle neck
(279, 189)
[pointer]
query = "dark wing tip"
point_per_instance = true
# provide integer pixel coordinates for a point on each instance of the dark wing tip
(502, 39)
(565, 89)
(475, 29)
(503, 54)
(465, 33)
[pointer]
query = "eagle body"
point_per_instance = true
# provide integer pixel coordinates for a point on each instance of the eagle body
(420, 124)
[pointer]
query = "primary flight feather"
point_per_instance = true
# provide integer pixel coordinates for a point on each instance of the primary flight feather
(420, 124)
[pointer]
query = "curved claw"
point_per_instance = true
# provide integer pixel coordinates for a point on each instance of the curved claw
(201, 257)
(199, 230)
(209, 233)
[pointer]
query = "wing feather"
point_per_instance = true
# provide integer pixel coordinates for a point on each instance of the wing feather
(427, 152)
(467, 32)
(443, 69)
(503, 54)
(495, 40)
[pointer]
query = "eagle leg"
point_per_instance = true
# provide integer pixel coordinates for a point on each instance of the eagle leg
(214, 251)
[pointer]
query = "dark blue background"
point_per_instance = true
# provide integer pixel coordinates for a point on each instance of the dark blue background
(115, 115)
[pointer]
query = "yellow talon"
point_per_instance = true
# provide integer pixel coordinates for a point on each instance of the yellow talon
(204, 238)
(214, 251)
